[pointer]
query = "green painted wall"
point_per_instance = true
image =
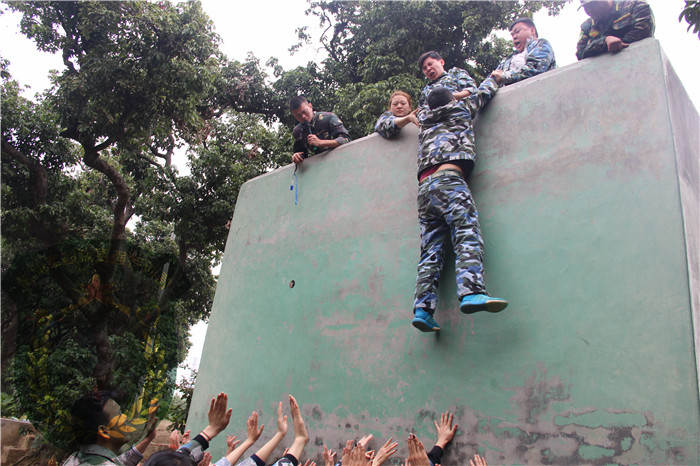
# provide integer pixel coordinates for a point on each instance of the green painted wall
(587, 191)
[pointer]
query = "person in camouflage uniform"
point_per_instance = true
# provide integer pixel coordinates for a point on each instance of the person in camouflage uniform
(456, 79)
(399, 115)
(445, 204)
(95, 417)
(612, 26)
(316, 132)
(532, 56)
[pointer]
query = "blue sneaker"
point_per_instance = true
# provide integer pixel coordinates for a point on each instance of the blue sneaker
(424, 321)
(481, 302)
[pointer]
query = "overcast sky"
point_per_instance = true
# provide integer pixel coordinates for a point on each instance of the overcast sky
(267, 28)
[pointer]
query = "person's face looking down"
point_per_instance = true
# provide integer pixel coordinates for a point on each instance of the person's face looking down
(399, 106)
(520, 33)
(304, 113)
(432, 68)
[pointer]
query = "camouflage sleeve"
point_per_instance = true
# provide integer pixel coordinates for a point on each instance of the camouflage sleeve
(643, 23)
(482, 96)
(588, 47)
(386, 127)
(538, 61)
(298, 142)
(502, 64)
(338, 131)
(463, 80)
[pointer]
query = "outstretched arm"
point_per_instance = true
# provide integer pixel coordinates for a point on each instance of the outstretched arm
(328, 456)
(253, 435)
(267, 449)
(416, 452)
(301, 437)
(218, 415)
(383, 454)
(445, 430)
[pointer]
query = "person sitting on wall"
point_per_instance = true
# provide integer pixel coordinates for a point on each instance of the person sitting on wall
(613, 25)
(532, 56)
(316, 132)
(399, 115)
(97, 422)
(445, 205)
(456, 80)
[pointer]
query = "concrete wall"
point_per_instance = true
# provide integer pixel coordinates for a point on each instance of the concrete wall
(587, 188)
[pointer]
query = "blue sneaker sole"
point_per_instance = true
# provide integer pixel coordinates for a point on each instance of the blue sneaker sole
(488, 306)
(423, 326)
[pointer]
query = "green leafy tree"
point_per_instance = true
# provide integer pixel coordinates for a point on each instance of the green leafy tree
(107, 249)
(373, 47)
(691, 13)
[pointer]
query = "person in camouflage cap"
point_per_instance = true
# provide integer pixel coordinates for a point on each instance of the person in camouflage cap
(456, 79)
(316, 132)
(612, 26)
(445, 204)
(532, 56)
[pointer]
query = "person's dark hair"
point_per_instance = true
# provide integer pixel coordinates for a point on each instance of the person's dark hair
(88, 415)
(296, 102)
(438, 97)
(524, 20)
(170, 458)
(426, 55)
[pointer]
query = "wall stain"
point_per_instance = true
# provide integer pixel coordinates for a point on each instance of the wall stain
(538, 436)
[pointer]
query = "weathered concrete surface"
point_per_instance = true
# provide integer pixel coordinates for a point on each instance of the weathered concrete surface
(587, 187)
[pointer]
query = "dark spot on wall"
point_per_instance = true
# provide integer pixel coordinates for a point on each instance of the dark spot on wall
(316, 413)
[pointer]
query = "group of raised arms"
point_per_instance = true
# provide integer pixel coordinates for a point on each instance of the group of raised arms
(96, 417)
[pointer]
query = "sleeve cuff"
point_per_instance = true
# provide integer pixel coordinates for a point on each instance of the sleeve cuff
(257, 460)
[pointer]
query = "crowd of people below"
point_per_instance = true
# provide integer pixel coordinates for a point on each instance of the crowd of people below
(95, 416)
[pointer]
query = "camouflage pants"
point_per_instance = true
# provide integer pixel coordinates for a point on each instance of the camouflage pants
(445, 205)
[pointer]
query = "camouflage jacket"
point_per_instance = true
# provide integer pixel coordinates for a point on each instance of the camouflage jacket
(455, 80)
(630, 20)
(386, 127)
(98, 455)
(325, 125)
(539, 57)
(447, 133)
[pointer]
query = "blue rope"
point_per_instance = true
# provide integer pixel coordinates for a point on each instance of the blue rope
(294, 188)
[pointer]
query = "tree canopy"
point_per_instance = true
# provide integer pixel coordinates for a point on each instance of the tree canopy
(107, 247)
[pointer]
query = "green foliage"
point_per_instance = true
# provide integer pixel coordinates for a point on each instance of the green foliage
(373, 49)
(100, 304)
(9, 406)
(183, 399)
(691, 13)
